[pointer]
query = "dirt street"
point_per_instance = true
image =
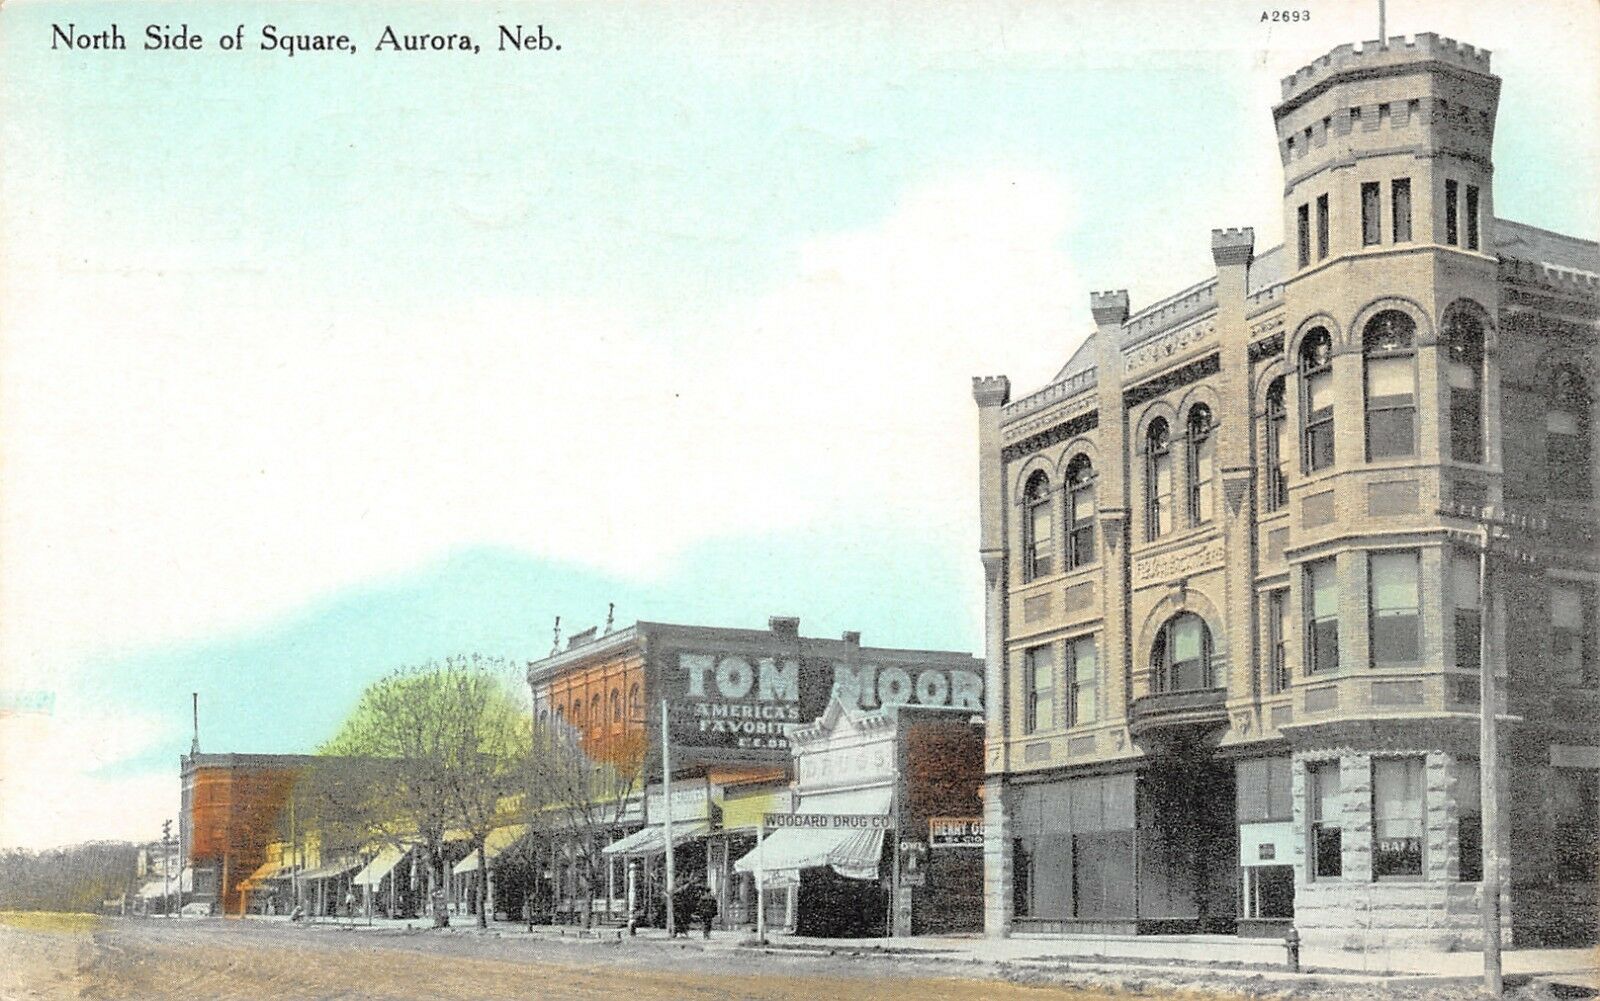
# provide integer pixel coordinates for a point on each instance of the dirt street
(210, 960)
(115, 959)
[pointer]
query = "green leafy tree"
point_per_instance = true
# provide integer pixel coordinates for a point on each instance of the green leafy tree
(429, 750)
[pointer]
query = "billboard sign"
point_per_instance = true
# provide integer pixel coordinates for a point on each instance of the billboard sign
(742, 701)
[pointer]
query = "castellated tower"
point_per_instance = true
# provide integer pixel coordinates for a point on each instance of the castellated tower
(1422, 111)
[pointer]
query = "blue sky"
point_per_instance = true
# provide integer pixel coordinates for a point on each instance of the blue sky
(318, 366)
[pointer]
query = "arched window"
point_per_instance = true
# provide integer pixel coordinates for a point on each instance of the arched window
(1316, 398)
(1463, 332)
(1201, 453)
(1386, 345)
(1567, 446)
(1277, 494)
(1080, 511)
(1158, 479)
(616, 706)
(1180, 661)
(1038, 546)
(544, 717)
(577, 712)
(635, 703)
(597, 715)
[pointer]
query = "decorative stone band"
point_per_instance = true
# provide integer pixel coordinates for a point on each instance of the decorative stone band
(1177, 563)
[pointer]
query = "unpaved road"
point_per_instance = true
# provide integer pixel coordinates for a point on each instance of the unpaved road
(116, 959)
(209, 960)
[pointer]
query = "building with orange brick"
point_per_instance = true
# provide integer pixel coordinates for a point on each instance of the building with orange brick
(732, 700)
(233, 807)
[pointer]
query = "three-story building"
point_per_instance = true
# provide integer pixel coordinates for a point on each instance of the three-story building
(1233, 639)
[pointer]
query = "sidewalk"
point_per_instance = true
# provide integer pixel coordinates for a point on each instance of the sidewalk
(1217, 954)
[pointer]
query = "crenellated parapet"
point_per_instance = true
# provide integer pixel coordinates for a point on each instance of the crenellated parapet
(1109, 308)
(1233, 247)
(1376, 55)
(991, 390)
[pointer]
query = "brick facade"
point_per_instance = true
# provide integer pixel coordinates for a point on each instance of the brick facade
(1423, 314)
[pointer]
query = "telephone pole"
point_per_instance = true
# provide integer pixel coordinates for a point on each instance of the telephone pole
(1491, 535)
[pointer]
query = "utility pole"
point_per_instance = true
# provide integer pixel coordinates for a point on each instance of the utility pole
(1492, 527)
(666, 797)
(166, 868)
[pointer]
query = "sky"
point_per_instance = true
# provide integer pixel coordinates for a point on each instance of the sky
(313, 366)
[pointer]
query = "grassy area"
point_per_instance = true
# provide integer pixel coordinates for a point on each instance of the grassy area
(50, 921)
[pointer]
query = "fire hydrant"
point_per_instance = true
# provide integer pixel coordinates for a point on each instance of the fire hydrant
(1291, 943)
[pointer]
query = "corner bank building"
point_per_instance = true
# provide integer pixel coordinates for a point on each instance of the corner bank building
(1233, 627)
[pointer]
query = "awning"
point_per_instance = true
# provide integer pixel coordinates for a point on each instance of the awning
(498, 841)
(382, 864)
(338, 868)
(652, 840)
(265, 872)
(852, 852)
(156, 888)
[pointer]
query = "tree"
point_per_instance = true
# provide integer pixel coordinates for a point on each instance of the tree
(581, 798)
(429, 750)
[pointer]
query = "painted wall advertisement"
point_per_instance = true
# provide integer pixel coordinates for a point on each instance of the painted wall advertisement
(748, 702)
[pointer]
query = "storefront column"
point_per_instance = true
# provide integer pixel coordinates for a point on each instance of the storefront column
(997, 875)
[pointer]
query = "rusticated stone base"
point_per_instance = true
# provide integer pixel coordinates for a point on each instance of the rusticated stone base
(1378, 917)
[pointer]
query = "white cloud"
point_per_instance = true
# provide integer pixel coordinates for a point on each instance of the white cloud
(48, 795)
(185, 454)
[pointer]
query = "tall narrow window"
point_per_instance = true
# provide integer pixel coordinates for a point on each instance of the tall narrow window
(1567, 450)
(1181, 656)
(1572, 634)
(1392, 607)
(1390, 385)
(1316, 398)
(616, 706)
(1202, 460)
(1400, 208)
(635, 703)
(1469, 822)
(1452, 227)
(1464, 334)
(1464, 596)
(1158, 478)
(1322, 617)
(1397, 806)
(1322, 784)
(1081, 665)
(1303, 228)
(1040, 668)
(1081, 511)
(1371, 217)
(1322, 227)
(1472, 217)
(1038, 522)
(1277, 433)
(1278, 641)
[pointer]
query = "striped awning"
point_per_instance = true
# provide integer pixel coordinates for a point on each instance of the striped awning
(652, 840)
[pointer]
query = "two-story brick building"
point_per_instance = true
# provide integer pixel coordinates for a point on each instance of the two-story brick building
(1233, 644)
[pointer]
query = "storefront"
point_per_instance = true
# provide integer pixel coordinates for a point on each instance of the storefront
(856, 848)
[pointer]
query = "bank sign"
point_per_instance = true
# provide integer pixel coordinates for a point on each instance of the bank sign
(742, 702)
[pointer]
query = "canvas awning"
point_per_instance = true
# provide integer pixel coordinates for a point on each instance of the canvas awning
(652, 840)
(497, 841)
(264, 872)
(381, 865)
(338, 868)
(852, 852)
(157, 888)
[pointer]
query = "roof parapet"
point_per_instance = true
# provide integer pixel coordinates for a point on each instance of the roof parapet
(991, 390)
(1426, 45)
(1109, 308)
(1233, 246)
